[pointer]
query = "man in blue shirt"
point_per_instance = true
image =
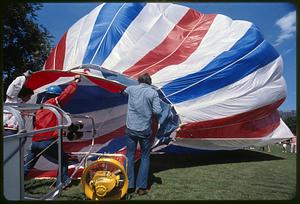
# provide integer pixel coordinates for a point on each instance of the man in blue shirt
(143, 102)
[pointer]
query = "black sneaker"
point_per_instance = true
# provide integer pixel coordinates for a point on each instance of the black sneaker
(130, 190)
(142, 191)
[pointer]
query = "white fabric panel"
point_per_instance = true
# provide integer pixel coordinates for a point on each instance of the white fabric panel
(146, 32)
(109, 113)
(262, 87)
(281, 133)
(45, 165)
(111, 125)
(91, 72)
(78, 37)
(222, 35)
(71, 42)
(95, 147)
(108, 120)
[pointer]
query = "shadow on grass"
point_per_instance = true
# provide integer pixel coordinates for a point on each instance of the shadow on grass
(161, 162)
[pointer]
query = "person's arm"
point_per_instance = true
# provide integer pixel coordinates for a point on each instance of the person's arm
(156, 104)
(15, 87)
(68, 92)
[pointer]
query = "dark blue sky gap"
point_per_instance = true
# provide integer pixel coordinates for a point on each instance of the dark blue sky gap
(96, 97)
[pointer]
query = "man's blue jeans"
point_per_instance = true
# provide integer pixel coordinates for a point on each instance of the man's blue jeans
(50, 154)
(142, 177)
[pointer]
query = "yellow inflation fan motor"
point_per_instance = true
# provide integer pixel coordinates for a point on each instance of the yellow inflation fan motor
(105, 179)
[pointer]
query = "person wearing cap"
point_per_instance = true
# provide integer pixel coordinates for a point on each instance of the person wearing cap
(46, 119)
(17, 92)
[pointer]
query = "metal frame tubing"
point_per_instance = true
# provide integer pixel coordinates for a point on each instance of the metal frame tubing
(22, 133)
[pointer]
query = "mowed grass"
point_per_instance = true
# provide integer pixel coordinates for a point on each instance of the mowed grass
(219, 175)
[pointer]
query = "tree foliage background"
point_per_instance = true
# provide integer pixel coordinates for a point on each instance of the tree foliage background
(26, 44)
(291, 122)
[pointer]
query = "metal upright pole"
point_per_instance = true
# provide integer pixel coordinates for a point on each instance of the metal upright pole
(10, 168)
(21, 153)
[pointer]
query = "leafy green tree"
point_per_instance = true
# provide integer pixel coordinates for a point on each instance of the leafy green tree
(26, 44)
(290, 121)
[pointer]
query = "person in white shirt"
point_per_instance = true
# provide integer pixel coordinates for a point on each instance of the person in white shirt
(15, 87)
(17, 92)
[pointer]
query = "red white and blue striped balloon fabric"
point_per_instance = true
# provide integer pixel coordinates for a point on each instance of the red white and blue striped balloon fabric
(223, 80)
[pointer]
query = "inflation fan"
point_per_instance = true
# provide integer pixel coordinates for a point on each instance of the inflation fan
(105, 179)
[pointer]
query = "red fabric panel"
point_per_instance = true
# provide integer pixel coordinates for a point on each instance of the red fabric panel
(108, 85)
(243, 117)
(255, 123)
(49, 64)
(60, 53)
(35, 173)
(42, 78)
(249, 129)
(181, 42)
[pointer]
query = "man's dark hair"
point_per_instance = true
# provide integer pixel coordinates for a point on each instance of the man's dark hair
(145, 78)
(25, 91)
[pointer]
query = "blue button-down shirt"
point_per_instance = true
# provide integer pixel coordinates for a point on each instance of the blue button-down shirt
(143, 100)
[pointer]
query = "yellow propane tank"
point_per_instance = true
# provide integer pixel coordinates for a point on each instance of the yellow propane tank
(105, 179)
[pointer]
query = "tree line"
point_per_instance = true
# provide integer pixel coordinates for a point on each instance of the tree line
(26, 44)
(291, 122)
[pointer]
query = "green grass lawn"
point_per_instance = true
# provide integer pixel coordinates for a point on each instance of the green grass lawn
(220, 175)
